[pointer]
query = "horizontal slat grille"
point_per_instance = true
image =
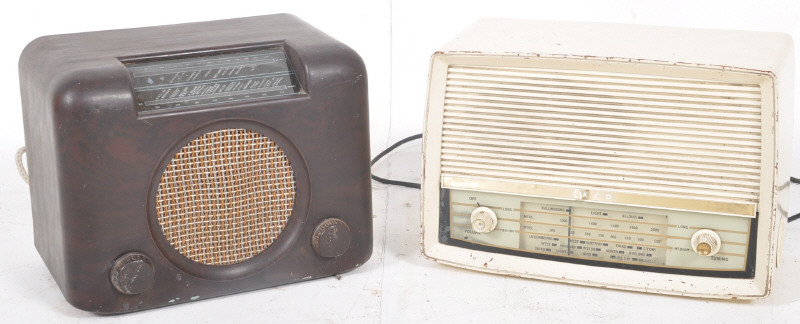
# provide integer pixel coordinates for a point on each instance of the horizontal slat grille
(678, 137)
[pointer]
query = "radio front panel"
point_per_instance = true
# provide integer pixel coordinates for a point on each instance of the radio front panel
(629, 161)
(608, 165)
(176, 163)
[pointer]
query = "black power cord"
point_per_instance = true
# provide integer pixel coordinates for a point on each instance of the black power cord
(417, 185)
(795, 217)
(387, 151)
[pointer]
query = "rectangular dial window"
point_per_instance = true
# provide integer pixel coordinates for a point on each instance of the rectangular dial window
(212, 79)
(599, 232)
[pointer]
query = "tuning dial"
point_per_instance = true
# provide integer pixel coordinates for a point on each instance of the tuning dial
(331, 238)
(483, 219)
(132, 273)
(706, 242)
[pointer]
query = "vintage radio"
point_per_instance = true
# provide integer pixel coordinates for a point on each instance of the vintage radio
(633, 157)
(175, 163)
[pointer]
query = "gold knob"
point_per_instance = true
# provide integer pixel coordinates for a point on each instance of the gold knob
(703, 248)
(706, 242)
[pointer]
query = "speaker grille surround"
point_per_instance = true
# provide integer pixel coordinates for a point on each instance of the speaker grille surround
(225, 196)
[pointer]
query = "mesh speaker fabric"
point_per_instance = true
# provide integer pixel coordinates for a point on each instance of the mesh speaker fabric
(225, 196)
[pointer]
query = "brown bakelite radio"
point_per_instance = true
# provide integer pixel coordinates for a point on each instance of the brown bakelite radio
(176, 163)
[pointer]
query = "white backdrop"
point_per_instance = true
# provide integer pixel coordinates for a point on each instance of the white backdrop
(396, 39)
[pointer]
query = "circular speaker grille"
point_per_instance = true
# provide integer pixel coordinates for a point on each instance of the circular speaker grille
(225, 196)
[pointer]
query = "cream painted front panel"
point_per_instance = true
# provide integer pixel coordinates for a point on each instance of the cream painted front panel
(687, 139)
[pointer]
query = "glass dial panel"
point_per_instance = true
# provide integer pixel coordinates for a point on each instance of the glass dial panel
(600, 232)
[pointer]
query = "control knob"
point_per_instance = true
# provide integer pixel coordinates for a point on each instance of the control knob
(706, 242)
(483, 219)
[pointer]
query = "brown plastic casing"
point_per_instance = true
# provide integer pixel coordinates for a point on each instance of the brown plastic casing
(95, 160)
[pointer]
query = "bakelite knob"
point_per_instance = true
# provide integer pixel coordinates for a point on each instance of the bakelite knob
(331, 238)
(132, 273)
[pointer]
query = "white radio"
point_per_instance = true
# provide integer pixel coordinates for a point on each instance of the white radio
(634, 157)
